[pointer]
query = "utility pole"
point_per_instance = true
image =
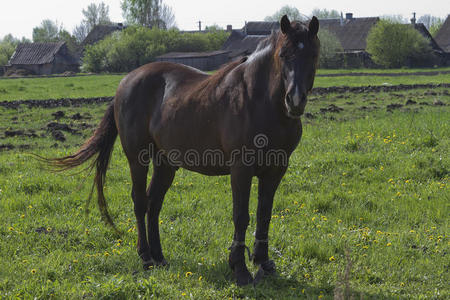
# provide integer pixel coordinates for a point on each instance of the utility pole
(199, 25)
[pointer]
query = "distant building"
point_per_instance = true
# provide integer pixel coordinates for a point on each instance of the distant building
(205, 61)
(442, 37)
(351, 32)
(43, 59)
(99, 32)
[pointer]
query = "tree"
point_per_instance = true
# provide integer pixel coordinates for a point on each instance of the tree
(396, 45)
(331, 51)
(432, 23)
(148, 13)
(325, 13)
(48, 31)
(94, 14)
(292, 12)
(7, 47)
(395, 19)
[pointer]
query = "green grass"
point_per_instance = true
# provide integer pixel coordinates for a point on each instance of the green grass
(405, 70)
(106, 85)
(59, 87)
(365, 181)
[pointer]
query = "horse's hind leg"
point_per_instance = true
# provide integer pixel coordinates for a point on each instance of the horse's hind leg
(162, 178)
(139, 178)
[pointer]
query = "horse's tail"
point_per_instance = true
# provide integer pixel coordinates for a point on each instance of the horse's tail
(101, 144)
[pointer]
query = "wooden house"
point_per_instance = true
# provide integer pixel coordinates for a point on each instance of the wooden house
(43, 59)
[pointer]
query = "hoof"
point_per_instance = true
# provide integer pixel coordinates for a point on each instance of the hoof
(243, 278)
(153, 263)
(267, 268)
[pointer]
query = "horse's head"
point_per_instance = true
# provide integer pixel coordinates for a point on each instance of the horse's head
(298, 51)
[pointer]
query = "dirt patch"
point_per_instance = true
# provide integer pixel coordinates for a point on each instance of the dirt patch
(6, 147)
(53, 126)
(14, 133)
(331, 108)
(51, 103)
(394, 106)
(58, 114)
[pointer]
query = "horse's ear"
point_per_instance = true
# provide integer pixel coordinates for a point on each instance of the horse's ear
(285, 24)
(313, 27)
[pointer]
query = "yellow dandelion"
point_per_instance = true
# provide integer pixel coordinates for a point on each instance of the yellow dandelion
(339, 221)
(75, 261)
(303, 291)
(332, 258)
(295, 203)
(200, 278)
(183, 294)
(389, 244)
(30, 206)
(379, 232)
(106, 253)
(161, 221)
(375, 241)
(412, 231)
(33, 271)
(25, 261)
(188, 274)
(320, 296)
(398, 194)
(307, 275)
(22, 216)
(10, 228)
(381, 168)
(313, 218)
(49, 229)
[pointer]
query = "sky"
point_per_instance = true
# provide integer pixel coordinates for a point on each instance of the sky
(19, 17)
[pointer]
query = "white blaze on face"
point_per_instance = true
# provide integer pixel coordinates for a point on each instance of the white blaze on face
(300, 45)
(296, 99)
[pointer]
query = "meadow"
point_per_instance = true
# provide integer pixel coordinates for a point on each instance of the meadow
(105, 85)
(362, 211)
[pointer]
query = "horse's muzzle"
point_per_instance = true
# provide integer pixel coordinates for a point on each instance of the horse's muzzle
(295, 104)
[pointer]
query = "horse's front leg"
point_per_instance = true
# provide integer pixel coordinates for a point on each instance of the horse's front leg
(267, 186)
(241, 180)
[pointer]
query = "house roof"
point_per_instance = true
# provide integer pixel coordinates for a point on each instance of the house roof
(420, 27)
(352, 33)
(40, 53)
(442, 37)
(192, 54)
(240, 44)
(260, 28)
(99, 32)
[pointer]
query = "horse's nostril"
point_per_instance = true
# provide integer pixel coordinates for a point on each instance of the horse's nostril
(288, 100)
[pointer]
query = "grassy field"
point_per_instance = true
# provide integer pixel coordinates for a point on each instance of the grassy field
(405, 70)
(105, 85)
(364, 205)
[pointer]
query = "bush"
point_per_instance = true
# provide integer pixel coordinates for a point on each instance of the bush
(395, 45)
(331, 51)
(136, 46)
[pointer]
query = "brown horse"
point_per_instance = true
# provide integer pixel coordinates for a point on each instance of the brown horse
(244, 121)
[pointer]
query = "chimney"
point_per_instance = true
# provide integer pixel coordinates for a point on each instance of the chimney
(349, 16)
(342, 19)
(413, 20)
(229, 28)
